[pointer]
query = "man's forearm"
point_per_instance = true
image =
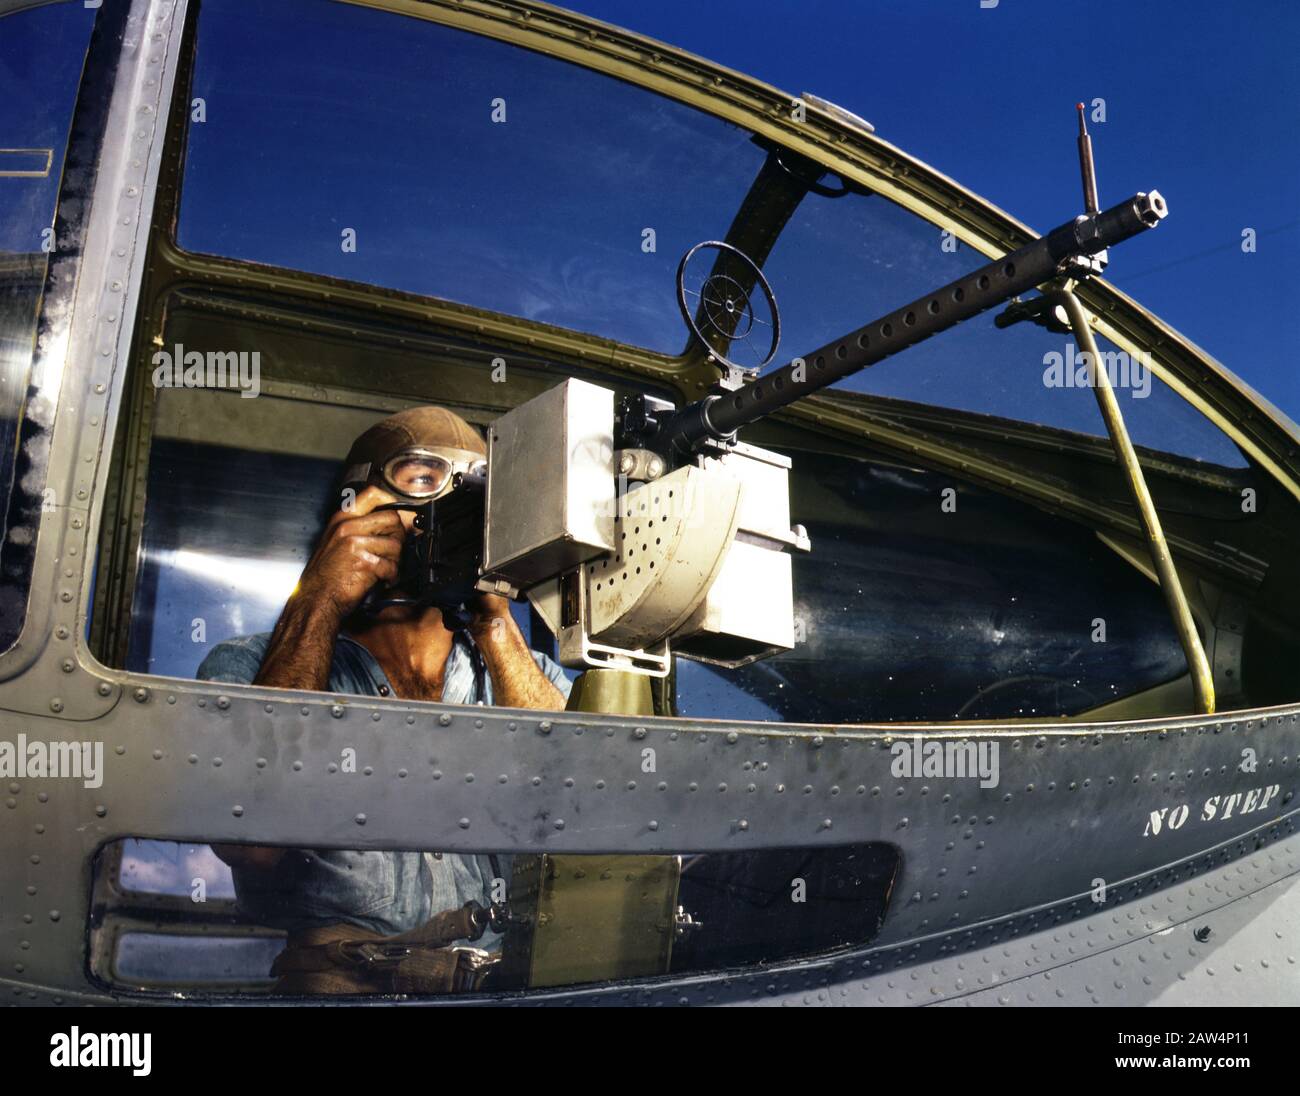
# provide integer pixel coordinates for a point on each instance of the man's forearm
(301, 648)
(517, 680)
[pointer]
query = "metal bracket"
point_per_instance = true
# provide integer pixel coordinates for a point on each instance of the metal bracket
(1197, 663)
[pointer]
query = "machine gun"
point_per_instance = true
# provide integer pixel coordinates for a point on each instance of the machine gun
(643, 529)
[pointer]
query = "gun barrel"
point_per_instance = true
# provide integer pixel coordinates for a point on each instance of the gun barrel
(717, 417)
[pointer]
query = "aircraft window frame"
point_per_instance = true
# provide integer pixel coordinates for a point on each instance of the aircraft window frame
(144, 423)
(740, 894)
(436, 15)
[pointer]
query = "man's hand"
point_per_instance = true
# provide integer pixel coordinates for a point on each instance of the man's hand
(359, 549)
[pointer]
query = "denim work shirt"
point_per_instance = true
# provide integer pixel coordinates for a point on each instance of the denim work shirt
(386, 892)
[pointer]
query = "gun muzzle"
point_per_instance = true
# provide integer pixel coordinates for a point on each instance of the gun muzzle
(1089, 234)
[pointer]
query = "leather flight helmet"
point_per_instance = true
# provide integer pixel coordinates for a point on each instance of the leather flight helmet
(415, 453)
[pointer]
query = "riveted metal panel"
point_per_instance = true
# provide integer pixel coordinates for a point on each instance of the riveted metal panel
(233, 764)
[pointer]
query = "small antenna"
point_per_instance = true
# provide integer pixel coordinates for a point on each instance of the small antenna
(1086, 167)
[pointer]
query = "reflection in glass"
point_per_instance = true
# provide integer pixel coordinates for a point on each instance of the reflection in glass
(907, 615)
(547, 921)
(41, 57)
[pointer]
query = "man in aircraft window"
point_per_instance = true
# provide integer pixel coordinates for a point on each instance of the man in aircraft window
(336, 904)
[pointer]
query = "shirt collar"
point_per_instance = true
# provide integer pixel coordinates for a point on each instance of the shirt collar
(458, 685)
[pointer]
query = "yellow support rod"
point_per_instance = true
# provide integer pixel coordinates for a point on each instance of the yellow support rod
(1170, 585)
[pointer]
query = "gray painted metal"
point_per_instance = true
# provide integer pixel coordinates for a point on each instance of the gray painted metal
(1225, 938)
(985, 871)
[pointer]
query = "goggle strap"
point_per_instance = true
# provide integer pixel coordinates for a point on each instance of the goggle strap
(357, 473)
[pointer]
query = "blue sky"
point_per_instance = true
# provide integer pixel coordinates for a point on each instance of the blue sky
(1202, 103)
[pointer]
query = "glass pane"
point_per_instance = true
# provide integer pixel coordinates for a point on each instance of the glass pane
(543, 190)
(170, 959)
(842, 262)
(468, 169)
(208, 573)
(1028, 374)
(485, 922)
(42, 51)
(911, 613)
(164, 867)
(41, 56)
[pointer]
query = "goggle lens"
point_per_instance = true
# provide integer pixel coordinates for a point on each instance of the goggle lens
(418, 476)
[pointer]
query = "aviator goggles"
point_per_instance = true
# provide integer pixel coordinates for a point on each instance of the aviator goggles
(427, 472)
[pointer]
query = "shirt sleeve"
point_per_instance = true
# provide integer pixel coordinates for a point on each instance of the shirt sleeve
(234, 661)
(554, 672)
